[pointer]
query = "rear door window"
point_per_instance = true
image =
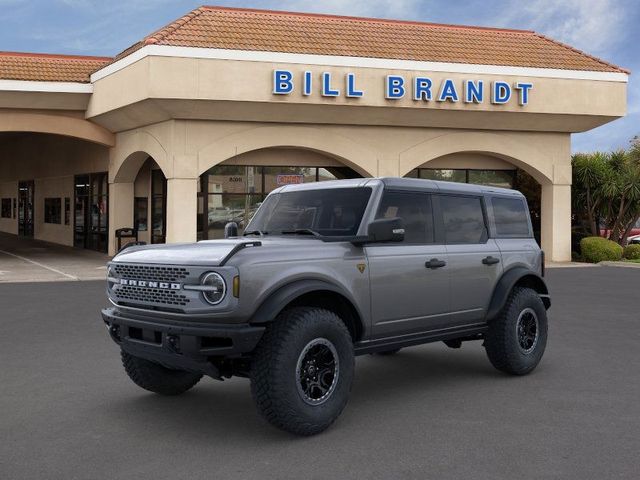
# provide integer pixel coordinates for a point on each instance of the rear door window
(510, 217)
(463, 219)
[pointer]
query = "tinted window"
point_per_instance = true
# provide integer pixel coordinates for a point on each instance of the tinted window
(52, 210)
(415, 211)
(511, 218)
(463, 219)
(330, 212)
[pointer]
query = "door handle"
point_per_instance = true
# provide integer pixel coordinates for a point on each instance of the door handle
(435, 263)
(490, 260)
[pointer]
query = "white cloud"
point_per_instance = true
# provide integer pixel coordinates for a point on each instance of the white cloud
(401, 9)
(592, 25)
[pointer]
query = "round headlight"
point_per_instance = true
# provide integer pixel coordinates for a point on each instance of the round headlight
(216, 288)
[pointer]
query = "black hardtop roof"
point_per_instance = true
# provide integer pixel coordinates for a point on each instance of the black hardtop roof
(409, 184)
(444, 187)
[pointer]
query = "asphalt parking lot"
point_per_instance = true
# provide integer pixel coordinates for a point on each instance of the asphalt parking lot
(69, 412)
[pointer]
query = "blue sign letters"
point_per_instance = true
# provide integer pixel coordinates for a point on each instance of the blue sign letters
(421, 88)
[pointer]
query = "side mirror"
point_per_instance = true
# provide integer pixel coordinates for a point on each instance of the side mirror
(386, 230)
(231, 230)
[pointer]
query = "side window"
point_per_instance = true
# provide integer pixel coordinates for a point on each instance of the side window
(415, 211)
(463, 219)
(511, 217)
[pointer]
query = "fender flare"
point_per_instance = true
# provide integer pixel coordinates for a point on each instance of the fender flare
(281, 297)
(506, 283)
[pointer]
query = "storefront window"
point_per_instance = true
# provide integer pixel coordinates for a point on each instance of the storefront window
(6, 208)
(444, 175)
(233, 193)
(158, 206)
(52, 210)
(140, 214)
(494, 178)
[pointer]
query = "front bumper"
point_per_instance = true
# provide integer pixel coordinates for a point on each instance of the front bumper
(180, 345)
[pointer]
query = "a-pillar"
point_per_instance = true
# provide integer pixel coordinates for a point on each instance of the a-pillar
(120, 211)
(182, 209)
(556, 222)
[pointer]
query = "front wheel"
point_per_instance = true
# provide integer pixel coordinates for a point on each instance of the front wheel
(156, 378)
(302, 370)
(517, 338)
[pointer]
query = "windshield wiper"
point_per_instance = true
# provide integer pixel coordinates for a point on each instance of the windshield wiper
(301, 231)
(255, 232)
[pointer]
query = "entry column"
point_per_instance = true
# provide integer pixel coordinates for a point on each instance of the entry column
(182, 209)
(556, 222)
(120, 210)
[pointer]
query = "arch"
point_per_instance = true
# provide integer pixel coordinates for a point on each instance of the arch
(132, 151)
(522, 155)
(57, 125)
(323, 141)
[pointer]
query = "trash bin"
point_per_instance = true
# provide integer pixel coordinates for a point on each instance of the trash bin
(127, 237)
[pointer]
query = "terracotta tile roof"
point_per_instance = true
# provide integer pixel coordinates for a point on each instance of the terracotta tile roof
(266, 30)
(48, 68)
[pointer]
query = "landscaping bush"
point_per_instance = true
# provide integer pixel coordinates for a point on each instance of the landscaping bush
(632, 252)
(598, 249)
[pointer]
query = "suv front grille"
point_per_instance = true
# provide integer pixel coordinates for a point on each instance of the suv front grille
(157, 296)
(153, 295)
(152, 273)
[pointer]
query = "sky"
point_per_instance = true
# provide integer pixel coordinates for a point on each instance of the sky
(604, 28)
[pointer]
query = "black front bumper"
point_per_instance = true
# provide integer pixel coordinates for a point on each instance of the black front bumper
(177, 345)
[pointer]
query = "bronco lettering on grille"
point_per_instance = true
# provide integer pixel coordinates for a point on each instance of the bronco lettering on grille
(149, 284)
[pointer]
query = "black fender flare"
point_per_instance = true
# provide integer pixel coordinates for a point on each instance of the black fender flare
(509, 280)
(281, 297)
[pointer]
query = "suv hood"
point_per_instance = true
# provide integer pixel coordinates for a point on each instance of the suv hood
(207, 252)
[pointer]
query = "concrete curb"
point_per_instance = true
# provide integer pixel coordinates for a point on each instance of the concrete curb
(620, 264)
(570, 265)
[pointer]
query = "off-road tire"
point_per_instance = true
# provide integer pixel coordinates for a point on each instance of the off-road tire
(275, 376)
(156, 378)
(387, 353)
(502, 342)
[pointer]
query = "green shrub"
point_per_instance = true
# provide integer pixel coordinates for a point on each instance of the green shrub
(598, 249)
(632, 252)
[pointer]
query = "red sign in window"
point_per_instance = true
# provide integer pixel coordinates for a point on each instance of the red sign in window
(289, 179)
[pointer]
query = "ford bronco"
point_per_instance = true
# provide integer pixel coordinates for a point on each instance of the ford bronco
(324, 272)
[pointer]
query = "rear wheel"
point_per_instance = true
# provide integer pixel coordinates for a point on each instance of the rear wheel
(302, 370)
(517, 338)
(156, 378)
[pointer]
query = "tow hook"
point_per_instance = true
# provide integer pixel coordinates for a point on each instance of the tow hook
(173, 343)
(114, 332)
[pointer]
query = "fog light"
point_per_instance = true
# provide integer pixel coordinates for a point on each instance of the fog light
(216, 288)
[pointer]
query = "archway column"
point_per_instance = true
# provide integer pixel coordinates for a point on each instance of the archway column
(182, 209)
(556, 222)
(120, 211)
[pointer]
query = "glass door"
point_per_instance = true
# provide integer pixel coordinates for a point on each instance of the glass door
(25, 208)
(158, 207)
(81, 211)
(91, 226)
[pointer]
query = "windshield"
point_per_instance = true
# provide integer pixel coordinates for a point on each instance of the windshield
(329, 212)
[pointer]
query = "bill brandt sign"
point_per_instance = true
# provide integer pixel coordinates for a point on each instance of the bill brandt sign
(420, 88)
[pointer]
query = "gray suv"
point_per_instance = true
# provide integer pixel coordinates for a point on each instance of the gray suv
(324, 272)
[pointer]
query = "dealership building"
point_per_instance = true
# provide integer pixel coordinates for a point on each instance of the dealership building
(192, 126)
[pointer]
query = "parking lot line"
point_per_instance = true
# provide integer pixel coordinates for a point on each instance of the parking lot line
(41, 265)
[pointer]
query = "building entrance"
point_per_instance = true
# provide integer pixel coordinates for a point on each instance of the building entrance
(25, 208)
(91, 209)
